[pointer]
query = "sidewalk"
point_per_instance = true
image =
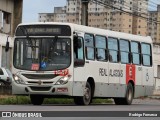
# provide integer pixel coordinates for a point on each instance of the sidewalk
(156, 94)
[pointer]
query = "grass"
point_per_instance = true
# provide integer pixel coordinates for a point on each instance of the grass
(14, 100)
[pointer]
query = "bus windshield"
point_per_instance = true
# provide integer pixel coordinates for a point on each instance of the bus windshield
(42, 53)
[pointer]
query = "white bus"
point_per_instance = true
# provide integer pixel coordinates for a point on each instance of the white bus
(69, 60)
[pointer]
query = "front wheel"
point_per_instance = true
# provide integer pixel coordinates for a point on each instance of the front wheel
(36, 99)
(128, 97)
(2, 83)
(86, 98)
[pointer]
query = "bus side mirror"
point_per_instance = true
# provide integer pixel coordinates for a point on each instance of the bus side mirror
(77, 42)
(7, 45)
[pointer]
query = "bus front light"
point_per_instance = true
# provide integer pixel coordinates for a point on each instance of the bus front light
(18, 80)
(63, 80)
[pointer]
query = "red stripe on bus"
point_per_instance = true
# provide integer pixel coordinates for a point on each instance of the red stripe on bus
(130, 73)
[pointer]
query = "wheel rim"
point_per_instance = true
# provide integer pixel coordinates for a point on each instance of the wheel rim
(87, 95)
(130, 95)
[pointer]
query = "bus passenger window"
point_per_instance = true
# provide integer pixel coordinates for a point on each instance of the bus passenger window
(146, 54)
(101, 48)
(113, 49)
(135, 50)
(89, 46)
(124, 51)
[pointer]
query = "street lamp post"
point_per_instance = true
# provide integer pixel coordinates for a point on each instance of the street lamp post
(84, 11)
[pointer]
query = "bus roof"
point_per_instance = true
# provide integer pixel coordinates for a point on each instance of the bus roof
(92, 30)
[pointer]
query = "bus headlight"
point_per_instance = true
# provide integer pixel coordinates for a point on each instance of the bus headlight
(18, 80)
(63, 80)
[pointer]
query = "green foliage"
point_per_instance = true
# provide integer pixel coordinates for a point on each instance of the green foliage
(26, 100)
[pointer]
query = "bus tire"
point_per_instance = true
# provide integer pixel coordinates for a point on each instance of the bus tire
(128, 97)
(36, 99)
(86, 98)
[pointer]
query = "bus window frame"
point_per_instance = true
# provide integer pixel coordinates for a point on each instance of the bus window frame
(118, 50)
(79, 62)
(129, 52)
(106, 49)
(151, 59)
(85, 47)
(139, 48)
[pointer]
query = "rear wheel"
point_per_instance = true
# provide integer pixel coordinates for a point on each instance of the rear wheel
(86, 98)
(128, 97)
(36, 99)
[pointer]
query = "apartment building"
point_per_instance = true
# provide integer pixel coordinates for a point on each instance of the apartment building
(59, 15)
(102, 16)
(10, 17)
(154, 26)
(140, 8)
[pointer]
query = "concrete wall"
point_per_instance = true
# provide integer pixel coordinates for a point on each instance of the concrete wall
(13, 11)
(17, 14)
(156, 61)
(3, 39)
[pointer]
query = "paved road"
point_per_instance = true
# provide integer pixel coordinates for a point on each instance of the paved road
(139, 106)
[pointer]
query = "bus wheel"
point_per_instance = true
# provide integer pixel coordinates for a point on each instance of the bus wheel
(36, 99)
(86, 98)
(128, 98)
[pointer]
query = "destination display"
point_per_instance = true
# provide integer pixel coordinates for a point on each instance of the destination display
(43, 30)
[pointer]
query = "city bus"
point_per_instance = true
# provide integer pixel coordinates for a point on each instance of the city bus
(67, 60)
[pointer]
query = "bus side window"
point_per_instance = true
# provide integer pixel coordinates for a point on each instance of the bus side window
(101, 52)
(146, 54)
(136, 54)
(113, 49)
(78, 52)
(89, 46)
(124, 51)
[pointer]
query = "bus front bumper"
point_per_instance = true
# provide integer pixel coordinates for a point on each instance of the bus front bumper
(22, 89)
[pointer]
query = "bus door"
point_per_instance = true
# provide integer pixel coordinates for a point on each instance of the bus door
(114, 66)
(96, 65)
(79, 69)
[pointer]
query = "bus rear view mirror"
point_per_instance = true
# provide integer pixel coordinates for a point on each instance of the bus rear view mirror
(77, 42)
(7, 45)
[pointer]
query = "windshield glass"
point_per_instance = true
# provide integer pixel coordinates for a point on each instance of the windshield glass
(42, 53)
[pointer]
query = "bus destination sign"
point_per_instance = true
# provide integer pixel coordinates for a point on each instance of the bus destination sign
(43, 30)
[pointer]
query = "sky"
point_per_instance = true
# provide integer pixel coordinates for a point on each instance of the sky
(31, 8)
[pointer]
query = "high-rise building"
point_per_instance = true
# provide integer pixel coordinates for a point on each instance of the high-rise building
(154, 25)
(115, 15)
(59, 15)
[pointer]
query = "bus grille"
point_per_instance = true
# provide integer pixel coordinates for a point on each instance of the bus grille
(40, 76)
(33, 88)
(37, 82)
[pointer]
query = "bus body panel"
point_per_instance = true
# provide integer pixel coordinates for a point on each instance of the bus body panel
(111, 79)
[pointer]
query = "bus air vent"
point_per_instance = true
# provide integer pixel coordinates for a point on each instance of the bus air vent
(40, 76)
(34, 88)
